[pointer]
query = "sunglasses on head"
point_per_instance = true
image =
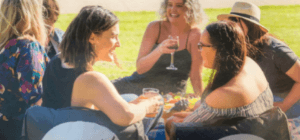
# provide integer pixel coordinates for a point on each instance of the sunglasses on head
(200, 45)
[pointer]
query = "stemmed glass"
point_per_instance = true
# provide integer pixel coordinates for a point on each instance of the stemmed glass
(172, 67)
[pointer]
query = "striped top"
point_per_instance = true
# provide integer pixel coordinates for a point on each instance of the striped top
(261, 104)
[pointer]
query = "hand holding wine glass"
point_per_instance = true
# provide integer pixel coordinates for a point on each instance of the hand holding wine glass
(165, 47)
(155, 101)
(175, 47)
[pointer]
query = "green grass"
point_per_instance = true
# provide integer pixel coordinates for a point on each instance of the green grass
(282, 21)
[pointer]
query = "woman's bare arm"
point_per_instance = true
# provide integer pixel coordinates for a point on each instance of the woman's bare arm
(146, 59)
(294, 95)
(196, 67)
(94, 88)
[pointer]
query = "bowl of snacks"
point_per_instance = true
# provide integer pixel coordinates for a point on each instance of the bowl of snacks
(178, 103)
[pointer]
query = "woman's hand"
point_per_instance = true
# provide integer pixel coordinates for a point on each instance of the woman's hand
(182, 114)
(163, 47)
(154, 102)
(197, 104)
(281, 106)
(177, 117)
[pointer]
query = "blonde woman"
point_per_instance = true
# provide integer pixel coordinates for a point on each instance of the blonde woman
(179, 18)
(22, 62)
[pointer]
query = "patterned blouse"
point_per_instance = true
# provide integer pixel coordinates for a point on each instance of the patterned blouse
(22, 65)
(205, 113)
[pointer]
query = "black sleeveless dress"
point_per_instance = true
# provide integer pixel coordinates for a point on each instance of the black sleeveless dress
(158, 76)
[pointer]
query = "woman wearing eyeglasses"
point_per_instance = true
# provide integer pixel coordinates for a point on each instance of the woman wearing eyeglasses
(279, 63)
(237, 87)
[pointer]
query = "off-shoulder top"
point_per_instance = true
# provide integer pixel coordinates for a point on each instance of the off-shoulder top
(261, 104)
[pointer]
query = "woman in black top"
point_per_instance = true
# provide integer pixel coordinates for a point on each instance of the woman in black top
(179, 18)
(71, 81)
(279, 63)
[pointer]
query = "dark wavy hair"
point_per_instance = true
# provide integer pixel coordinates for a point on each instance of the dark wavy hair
(75, 47)
(256, 39)
(229, 41)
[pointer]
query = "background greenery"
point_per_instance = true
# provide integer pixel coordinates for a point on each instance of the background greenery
(282, 21)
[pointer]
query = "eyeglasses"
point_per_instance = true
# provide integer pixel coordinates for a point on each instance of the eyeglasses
(200, 45)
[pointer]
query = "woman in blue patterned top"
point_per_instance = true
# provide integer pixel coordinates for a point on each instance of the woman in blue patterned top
(22, 62)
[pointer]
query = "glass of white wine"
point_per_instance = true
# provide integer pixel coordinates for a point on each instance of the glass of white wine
(175, 47)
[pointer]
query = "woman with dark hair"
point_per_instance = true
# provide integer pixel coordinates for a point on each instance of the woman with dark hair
(180, 18)
(51, 13)
(279, 63)
(238, 87)
(70, 80)
(22, 62)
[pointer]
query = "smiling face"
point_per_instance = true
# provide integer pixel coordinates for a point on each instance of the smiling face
(176, 10)
(208, 53)
(106, 43)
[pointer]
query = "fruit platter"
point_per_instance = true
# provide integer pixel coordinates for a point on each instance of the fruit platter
(178, 103)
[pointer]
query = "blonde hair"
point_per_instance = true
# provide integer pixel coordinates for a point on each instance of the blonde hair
(195, 13)
(22, 19)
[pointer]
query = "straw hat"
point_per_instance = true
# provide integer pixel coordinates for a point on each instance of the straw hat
(247, 11)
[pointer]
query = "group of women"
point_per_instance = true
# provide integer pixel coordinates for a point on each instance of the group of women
(251, 67)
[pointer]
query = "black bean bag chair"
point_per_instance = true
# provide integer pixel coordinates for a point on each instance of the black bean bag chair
(271, 125)
(76, 123)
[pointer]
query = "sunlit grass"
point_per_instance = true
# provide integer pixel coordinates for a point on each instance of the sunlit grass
(282, 21)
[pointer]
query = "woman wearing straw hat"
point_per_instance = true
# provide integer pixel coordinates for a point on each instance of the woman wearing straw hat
(278, 62)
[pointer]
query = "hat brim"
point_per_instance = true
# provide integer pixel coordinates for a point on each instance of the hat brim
(226, 16)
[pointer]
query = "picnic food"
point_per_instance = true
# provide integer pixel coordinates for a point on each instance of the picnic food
(178, 103)
(181, 105)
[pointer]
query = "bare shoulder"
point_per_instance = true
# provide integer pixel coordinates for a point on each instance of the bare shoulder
(196, 31)
(154, 25)
(227, 97)
(194, 38)
(91, 78)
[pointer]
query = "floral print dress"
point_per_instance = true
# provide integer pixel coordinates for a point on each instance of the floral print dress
(22, 65)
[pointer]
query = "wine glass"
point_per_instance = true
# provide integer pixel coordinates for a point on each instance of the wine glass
(153, 90)
(172, 67)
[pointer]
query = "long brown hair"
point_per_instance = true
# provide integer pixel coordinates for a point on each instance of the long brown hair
(256, 39)
(229, 41)
(76, 49)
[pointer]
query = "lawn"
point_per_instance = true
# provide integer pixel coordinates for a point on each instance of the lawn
(282, 21)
